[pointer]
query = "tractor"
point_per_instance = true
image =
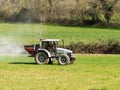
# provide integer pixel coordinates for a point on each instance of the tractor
(48, 51)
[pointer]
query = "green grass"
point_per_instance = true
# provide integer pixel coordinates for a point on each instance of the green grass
(89, 72)
(30, 33)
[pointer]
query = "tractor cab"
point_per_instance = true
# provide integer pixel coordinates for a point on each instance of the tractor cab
(49, 44)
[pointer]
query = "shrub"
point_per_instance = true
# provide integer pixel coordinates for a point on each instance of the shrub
(101, 47)
(113, 47)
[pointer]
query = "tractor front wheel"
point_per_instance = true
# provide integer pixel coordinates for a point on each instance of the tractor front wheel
(64, 59)
(41, 58)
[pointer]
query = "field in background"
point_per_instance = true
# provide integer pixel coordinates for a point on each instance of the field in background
(89, 72)
(30, 33)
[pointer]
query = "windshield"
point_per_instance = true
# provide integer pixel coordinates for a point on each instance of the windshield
(50, 45)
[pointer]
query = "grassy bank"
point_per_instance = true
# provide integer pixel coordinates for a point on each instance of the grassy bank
(30, 33)
(89, 72)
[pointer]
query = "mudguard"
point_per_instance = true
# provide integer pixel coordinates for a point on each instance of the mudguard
(44, 50)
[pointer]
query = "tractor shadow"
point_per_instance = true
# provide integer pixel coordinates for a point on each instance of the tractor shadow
(33, 63)
(27, 63)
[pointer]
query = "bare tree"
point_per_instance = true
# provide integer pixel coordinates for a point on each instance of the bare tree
(62, 10)
(50, 3)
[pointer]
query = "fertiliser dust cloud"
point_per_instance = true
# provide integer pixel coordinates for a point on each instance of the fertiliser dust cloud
(8, 46)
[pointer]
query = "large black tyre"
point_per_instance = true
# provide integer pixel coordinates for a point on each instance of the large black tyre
(64, 59)
(41, 58)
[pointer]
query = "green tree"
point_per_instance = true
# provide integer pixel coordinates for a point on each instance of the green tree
(108, 8)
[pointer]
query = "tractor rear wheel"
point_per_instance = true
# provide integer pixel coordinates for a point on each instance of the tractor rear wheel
(41, 58)
(64, 59)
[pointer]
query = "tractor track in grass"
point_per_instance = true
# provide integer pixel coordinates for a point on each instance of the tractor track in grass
(96, 54)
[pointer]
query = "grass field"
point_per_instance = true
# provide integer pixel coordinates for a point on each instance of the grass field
(89, 72)
(30, 33)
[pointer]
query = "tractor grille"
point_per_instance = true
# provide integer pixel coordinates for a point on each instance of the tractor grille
(69, 54)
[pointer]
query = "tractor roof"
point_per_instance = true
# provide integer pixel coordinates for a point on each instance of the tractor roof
(48, 40)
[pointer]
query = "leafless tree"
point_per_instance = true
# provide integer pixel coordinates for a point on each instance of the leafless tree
(65, 10)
